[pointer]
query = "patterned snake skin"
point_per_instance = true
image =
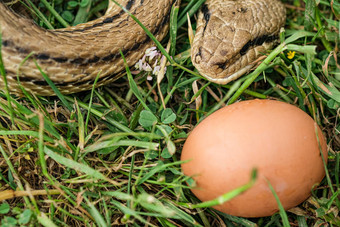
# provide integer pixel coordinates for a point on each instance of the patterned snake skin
(230, 36)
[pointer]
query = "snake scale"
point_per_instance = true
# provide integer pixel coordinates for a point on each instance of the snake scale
(230, 37)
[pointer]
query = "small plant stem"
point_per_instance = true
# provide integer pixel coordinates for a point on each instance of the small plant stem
(40, 15)
(263, 66)
(55, 14)
(11, 167)
(324, 41)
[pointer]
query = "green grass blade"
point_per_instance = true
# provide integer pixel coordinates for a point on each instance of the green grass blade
(54, 88)
(133, 85)
(229, 195)
(77, 166)
(283, 213)
(191, 9)
(55, 13)
(100, 221)
(45, 221)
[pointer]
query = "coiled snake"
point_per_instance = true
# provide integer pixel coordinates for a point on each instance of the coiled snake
(230, 36)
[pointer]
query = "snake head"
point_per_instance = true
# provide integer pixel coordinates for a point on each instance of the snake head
(232, 35)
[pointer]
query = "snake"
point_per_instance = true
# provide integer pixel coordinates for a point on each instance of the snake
(230, 37)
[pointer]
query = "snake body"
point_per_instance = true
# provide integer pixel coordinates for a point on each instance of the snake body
(230, 36)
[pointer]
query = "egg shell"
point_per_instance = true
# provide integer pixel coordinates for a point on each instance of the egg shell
(277, 138)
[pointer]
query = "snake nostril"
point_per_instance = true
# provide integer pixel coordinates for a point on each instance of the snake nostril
(222, 65)
(198, 56)
(197, 59)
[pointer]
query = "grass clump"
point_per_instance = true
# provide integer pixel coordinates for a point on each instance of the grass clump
(111, 156)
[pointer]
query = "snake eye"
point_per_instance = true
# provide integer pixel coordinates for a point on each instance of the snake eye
(206, 12)
(206, 15)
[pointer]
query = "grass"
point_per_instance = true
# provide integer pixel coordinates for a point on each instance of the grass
(111, 156)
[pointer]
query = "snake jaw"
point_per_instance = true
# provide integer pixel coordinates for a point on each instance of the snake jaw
(231, 77)
(235, 36)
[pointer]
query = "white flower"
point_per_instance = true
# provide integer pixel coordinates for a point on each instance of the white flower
(139, 64)
(149, 50)
(152, 53)
(156, 70)
(147, 67)
(155, 64)
(151, 57)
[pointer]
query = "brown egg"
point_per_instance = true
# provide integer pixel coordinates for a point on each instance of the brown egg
(277, 138)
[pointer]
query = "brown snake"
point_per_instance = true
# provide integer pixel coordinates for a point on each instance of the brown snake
(230, 36)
